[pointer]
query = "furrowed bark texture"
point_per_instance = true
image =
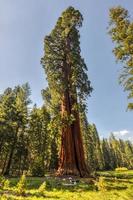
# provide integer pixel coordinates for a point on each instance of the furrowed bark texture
(72, 160)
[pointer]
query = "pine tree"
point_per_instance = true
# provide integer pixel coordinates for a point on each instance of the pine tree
(93, 150)
(39, 140)
(86, 130)
(54, 127)
(69, 85)
(121, 32)
(99, 162)
(129, 154)
(14, 119)
(107, 155)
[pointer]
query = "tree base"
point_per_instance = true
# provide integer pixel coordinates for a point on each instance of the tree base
(72, 172)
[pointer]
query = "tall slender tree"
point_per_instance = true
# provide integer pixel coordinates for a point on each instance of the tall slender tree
(14, 119)
(121, 32)
(69, 85)
(39, 140)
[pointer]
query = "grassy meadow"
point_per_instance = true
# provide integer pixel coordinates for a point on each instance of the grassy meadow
(109, 185)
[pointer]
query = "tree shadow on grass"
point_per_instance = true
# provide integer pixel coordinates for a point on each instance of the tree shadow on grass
(119, 180)
(26, 195)
(119, 176)
(117, 187)
(72, 188)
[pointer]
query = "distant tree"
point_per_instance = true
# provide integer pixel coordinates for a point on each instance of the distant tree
(115, 153)
(121, 32)
(98, 156)
(107, 155)
(129, 154)
(39, 141)
(69, 85)
(14, 120)
(123, 153)
(54, 127)
(89, 147)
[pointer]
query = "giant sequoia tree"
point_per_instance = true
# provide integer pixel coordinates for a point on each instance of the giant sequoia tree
(69, 87)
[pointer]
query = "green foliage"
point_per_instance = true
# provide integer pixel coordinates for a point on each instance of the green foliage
(2, 180)
(21, 186)
(40, 140)
(42, 188)
(121, 169)
(121, 32)
(106, 154)
(101, 184)
(92, 144)
(97, 152)
(26, 142)
(14, 119)
(37, 168)
(34, 146)
(5, 197)
(6, 184)
(109, 188)
(62, 55)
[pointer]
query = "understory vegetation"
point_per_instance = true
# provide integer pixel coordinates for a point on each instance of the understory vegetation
(107, 185)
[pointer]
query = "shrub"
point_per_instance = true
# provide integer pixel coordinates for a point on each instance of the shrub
(121, 169)
(2, 180)
(6, 184)
(101, 184)
(42, 188)
(48, 185)
(21, 186)
(4, 197)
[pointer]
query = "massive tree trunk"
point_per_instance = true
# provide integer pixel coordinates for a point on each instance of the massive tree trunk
(72, 160)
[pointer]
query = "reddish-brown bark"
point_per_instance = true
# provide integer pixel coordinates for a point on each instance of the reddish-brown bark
(72, 160)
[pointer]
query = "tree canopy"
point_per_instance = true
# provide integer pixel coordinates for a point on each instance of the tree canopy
(61, 47)
(121, 32)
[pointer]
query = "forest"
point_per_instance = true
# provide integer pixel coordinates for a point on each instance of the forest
(56, 139)
(30, 140)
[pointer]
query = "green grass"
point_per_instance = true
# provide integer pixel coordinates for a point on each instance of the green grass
(113, 186)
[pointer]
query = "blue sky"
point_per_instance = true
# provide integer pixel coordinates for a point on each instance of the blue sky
(23, 26)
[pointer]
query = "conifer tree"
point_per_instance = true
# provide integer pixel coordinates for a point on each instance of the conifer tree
(121, 32)
(99, 162)
(14, 119)
(69, 85)
(54, 127)
(106, 155)
(39, 141)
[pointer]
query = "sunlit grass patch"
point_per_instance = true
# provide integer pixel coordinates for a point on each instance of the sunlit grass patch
(109, 185)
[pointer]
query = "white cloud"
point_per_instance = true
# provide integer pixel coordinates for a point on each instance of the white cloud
(121, 133)
(124, 134)
(130, 138)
